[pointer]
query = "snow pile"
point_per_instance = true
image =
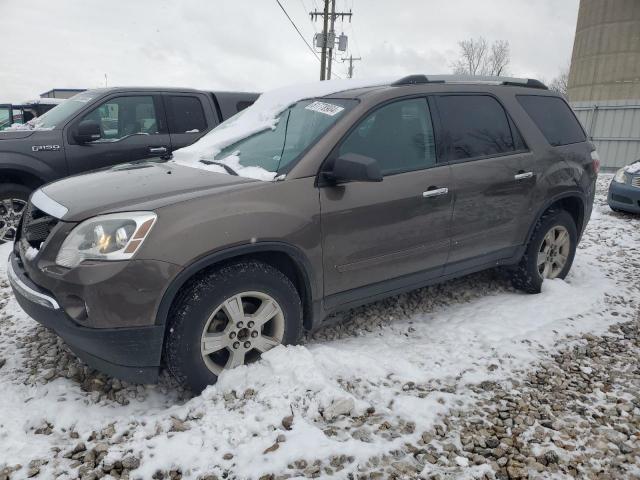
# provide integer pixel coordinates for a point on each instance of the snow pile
(30, 125)
(260, 116)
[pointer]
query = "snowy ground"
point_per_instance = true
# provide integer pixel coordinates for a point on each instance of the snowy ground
(391, 393)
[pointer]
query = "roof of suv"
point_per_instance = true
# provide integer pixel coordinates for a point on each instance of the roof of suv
(420, 79)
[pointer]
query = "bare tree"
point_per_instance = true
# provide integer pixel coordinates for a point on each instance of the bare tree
(561, 82)
(478, 58)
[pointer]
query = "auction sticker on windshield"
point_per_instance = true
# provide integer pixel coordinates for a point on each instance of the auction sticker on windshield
(326, 108)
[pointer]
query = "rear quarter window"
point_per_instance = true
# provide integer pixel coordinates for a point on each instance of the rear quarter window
(554, 118)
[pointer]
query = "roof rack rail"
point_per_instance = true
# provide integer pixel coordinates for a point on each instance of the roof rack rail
(470, 79)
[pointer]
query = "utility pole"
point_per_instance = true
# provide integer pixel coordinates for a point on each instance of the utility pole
(323, 57)
(327, 39)
(332, 35)
(351, 59)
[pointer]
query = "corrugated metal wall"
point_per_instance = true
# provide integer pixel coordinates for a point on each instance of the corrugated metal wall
(614, 126)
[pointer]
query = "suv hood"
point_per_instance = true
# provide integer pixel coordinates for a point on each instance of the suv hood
(137, 186)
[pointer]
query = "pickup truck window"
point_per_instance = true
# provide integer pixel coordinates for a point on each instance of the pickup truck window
(123, 116)
(61, 113)
(299, 126)
(185, 114)
(5, 118)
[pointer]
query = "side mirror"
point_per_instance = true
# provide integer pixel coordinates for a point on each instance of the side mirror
(352, 167)
(87, 131)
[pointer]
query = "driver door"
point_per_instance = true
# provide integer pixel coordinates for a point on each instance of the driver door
(379, 236)
(132, 128)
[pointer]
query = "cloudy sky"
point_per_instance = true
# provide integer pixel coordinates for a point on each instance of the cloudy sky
(250, 44)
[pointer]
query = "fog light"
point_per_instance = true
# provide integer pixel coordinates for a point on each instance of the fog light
(76, 308)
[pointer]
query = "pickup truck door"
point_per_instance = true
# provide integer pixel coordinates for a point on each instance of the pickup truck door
(133, 127)
(189, 117)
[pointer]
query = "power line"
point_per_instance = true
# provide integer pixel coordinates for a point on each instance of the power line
(304, 9)
(298, 30)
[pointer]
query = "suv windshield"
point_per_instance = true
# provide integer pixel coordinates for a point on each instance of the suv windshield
(299, 126)
(60, 113)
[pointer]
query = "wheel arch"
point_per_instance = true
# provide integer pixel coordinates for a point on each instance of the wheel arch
(287, 258)
(572, 202)
(20, 177)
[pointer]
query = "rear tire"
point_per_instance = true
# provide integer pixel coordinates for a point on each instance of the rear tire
(13, 201)
(549, 253)
(228, 317)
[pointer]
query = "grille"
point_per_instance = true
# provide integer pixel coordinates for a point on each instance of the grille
(36, 226)
(635, 181)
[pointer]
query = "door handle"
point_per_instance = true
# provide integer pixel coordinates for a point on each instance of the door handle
(522, 175)
(158, 150)
(435, 192)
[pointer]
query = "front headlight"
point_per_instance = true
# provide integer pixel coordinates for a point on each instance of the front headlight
(116, 236)
(620, 176)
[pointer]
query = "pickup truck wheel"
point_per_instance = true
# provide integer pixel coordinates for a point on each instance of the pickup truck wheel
(549, 253)
(13, 201)
(227, 318)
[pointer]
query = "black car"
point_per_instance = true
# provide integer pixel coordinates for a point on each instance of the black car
(624, 190)
(100, 128)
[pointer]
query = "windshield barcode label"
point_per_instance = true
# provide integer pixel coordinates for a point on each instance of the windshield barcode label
(326, 108)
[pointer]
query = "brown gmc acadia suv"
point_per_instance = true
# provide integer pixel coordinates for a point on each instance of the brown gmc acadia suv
(311, 201)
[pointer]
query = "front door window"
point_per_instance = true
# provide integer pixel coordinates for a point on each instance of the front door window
(125, 116)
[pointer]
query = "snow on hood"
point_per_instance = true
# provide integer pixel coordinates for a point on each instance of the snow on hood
(633, 168)
(29, 126)
(260, 116)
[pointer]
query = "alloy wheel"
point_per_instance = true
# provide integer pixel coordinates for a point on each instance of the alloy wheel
(554, 252)
(240, 329)
(11, 210)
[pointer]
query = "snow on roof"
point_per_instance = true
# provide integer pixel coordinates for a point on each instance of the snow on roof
(260, 116)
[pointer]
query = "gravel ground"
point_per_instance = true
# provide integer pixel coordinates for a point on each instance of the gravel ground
(569, 409)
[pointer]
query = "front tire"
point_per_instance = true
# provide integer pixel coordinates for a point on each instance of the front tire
(229, 317)
(13, 201)
(549, 253)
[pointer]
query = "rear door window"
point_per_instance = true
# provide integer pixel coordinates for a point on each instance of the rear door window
(185, 114)
(475, 126)
(554, 118)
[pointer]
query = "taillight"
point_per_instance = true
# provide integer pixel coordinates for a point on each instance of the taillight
(595, 159)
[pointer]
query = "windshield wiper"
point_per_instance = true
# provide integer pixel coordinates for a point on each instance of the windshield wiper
(229, 170)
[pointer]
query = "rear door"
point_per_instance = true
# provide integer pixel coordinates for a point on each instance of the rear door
(133, 127)
(492, 178)
(189, 117)
(375, 232)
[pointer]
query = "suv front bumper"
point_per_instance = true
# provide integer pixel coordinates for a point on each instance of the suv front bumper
(132, 354)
